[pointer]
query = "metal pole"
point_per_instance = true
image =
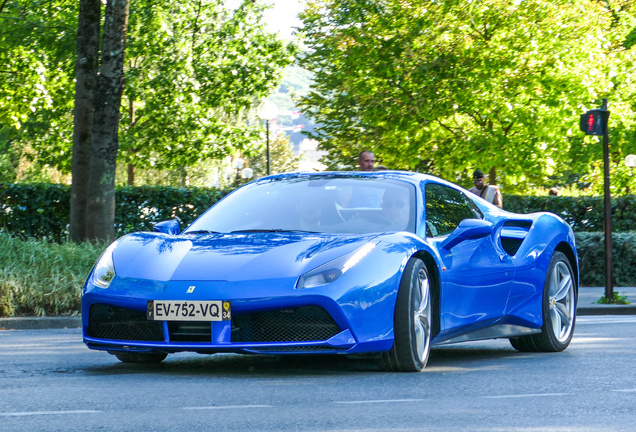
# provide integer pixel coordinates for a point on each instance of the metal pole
(267, 126)
(607, 223)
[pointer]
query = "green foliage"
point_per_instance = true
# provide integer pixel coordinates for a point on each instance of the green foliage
(42, 277)
(447, 87)
(591, 251)
(37, 57)
(42, 210)
(193, 71)
(582, 213)
(282, 158)
(138, 207)
(617, 299)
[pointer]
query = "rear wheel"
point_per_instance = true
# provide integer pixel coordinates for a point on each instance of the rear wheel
(132, 357)
(559, 310)
(412, 322)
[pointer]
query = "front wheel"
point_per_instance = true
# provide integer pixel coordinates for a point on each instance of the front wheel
(132, 357)
(412, 322)
(559, 310)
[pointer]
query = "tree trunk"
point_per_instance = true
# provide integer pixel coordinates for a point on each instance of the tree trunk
(100, 205)
(131, 174)
(492, 176)
(85, 83)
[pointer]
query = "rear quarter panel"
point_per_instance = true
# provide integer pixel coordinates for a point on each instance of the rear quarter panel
(532, 261)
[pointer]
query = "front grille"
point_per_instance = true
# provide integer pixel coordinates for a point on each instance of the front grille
(111, 322)
(190, 331)
(308, 323)
(511, 245)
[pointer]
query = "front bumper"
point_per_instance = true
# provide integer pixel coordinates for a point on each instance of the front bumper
(287, 321)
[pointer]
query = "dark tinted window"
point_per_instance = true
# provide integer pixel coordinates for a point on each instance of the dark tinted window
(445, 209)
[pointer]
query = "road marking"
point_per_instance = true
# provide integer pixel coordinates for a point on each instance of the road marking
(380, 401)
(525, 395)
(34, 413)
(227, 407)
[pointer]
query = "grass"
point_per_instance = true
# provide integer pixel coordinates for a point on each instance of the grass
(618, 299)
(40, 277)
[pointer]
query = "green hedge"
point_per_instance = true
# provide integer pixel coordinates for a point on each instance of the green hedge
(42, 210)
(582, 213)
(591, 250)
(41, 277)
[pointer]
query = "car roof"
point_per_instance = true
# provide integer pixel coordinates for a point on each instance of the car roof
(411, 177)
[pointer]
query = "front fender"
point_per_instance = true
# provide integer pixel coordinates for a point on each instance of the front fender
(370, 289)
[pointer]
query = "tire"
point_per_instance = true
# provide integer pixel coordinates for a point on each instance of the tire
(559, 310)
(132, 357)
(411, 322)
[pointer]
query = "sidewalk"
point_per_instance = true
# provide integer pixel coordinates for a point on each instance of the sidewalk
(587, 298)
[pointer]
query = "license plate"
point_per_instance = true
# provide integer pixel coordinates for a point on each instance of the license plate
(176, 310)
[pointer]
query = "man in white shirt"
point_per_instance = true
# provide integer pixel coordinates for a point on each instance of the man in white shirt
(490, 193)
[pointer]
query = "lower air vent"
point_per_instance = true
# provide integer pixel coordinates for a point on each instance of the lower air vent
(309, 323)
(511, 245)
(190, 331)
(296, 349)
(117, 323)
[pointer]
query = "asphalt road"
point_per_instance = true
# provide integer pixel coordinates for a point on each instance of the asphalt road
(49, 381)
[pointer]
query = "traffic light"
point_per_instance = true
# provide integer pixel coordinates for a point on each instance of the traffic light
(594, 122)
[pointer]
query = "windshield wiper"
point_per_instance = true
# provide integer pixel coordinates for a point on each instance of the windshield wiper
(202, 232)
(276, 230)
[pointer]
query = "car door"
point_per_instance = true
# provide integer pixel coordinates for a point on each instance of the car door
(476, 283)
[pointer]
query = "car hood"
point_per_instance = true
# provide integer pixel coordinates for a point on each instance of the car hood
(228, 257)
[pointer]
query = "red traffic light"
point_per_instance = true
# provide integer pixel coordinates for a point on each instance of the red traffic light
(594, 122)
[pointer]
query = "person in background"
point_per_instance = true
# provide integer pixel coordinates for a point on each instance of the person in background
(490, 193)
(380, 168)
(366, 161)
(554, 192)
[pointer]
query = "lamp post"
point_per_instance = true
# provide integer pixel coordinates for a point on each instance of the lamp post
(267, 111)
(244, 173)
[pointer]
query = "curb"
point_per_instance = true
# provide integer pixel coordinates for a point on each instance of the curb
(607, 310)
(40, 323)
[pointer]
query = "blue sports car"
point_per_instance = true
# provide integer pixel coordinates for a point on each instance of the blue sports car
(387, 262)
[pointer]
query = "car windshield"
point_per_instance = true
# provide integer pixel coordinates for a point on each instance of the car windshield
(314, 204)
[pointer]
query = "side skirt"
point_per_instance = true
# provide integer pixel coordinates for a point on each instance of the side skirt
(493, 332)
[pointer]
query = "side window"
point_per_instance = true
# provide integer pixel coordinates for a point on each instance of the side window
(445, 209)
(476, 210)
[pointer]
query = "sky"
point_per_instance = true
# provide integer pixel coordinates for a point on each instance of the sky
(281, 18)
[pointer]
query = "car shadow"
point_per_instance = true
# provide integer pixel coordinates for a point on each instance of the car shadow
(264, 366)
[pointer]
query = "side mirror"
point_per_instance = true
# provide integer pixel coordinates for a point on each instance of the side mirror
(468, 229)
(168, 227)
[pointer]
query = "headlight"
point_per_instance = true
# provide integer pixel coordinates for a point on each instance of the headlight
(105, 269)
(331, 271)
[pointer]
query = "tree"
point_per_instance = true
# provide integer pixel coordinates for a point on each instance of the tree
(446, 87)
(194, 70)
(282, 157)
(37, 39)
(86, 67)
(100, 199)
